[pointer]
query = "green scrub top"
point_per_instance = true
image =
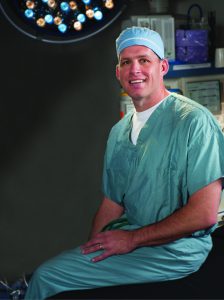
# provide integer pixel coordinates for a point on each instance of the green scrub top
(179, 151)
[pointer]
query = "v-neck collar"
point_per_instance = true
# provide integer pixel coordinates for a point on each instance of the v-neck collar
(149, 125)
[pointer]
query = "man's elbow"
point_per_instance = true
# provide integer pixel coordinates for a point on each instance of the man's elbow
(210, 220)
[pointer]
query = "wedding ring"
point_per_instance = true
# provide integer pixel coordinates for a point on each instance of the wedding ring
(100, 246)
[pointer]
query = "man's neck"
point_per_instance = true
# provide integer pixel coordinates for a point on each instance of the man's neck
(144, 104)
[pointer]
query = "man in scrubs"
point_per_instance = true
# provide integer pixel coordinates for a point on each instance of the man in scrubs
(162, 182)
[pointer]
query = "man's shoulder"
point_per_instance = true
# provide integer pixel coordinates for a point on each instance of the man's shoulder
(185, 107)
(122, 123)
(193, 116)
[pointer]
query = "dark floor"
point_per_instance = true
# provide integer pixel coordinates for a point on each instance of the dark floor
(207, 283)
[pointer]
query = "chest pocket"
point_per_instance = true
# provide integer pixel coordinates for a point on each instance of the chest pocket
(121, 170)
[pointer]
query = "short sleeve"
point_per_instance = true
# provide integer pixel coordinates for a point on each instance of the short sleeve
(205, 153)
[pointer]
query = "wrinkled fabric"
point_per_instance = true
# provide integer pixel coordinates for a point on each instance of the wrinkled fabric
(72, 270)
(179, 150)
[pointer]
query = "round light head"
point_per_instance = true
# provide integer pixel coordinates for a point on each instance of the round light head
(40, 19)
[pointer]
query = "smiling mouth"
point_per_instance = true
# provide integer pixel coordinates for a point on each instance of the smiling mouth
(136, 81)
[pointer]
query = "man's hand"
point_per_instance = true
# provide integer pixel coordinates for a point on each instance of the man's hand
(112, 242)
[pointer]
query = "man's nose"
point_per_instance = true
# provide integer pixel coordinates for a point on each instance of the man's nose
(135, 67)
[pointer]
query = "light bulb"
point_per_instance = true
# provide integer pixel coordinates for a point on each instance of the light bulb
(98, 15)
(52, 3)
(86, 1)
(41, 22)
(90, 13)
(57, 21)
(73, 5)
(81, 18)
(77, 25)
(64, 6)
(48, 19)
(62, 27)
(109, 4)
(29, 13)
(30, 4)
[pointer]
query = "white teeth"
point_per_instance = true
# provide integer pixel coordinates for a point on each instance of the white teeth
(136, 81)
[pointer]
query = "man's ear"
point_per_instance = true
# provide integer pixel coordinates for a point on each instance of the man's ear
(118, 72)
(165, 66)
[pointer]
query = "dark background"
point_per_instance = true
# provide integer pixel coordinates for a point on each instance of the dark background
(57, 105)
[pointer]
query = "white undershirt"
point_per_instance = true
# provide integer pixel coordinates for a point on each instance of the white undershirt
(139, 119)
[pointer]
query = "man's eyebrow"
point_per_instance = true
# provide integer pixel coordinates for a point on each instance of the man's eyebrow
(138, 56)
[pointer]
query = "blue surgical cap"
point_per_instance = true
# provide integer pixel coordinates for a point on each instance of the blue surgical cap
(141, 36)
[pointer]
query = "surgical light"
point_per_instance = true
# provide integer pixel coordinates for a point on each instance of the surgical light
(61, 21)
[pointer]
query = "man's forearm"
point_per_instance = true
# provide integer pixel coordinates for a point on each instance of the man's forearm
(107, 212)
(170, 229)
(200, 213)
(99, 221)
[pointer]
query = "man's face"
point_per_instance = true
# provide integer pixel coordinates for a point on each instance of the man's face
(140, 73)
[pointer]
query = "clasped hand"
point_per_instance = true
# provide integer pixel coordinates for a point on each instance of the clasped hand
(113, 242)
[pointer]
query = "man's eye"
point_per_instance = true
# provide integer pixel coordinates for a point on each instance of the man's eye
(144, 60)
(124, 62)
